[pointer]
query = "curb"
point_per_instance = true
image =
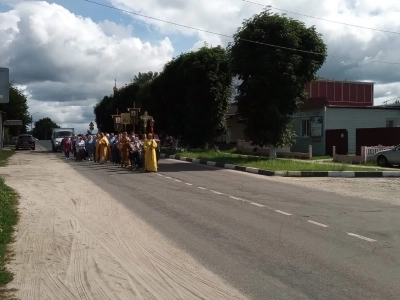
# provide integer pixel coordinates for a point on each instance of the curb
(340, 174)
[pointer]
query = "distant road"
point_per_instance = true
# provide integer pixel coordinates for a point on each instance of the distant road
(270, 240)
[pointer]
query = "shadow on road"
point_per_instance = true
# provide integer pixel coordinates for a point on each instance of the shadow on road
(182, 167)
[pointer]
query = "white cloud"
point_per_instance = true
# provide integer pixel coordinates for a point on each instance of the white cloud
(66, 63)
(225, 16)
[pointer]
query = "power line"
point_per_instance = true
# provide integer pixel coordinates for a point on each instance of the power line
(322, 19)
(231, 37)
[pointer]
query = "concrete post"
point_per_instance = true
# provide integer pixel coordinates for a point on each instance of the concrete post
(363, 154)
(309, 151)
(334, 152)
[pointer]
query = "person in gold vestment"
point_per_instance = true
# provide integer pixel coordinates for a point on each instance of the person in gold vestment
(104, 150)
(150, 146)
(124, 149)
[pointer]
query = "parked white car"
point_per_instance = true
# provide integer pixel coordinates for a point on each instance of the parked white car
(388, 157)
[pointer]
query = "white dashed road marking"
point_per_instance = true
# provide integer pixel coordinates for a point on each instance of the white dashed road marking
(318, 224)
(257, 204)
(236, 198)
(361, 237)
(215, 192)
(265, 206)
(283, 213)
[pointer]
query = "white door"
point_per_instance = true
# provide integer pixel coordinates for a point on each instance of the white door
(228, 135)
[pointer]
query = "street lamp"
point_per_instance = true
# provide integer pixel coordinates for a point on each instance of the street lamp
(32, 119)
(152, 126)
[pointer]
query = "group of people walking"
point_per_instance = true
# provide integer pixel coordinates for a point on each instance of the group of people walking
(123, 149)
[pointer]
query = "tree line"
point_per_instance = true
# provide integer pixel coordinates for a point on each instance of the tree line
(191, 95)
(16, 109)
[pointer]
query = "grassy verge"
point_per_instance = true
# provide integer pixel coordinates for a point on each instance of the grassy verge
(8, 219)
(263, 163)
(4, 155)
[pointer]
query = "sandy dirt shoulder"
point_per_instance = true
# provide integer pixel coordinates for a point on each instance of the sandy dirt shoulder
(74, 242)
(386, 190)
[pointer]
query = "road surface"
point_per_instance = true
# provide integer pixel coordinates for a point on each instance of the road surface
(269, 239)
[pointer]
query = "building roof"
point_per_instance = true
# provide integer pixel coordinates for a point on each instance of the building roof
(345, 81)
(12, 123)
(366, 107)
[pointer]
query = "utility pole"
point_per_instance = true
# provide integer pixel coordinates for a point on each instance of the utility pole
(32, 120)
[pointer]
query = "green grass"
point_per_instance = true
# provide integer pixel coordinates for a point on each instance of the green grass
(4, 155)
(321, 158)
(8, 219)
(263, 163)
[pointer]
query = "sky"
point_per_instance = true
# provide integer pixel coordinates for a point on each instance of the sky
(65, 54)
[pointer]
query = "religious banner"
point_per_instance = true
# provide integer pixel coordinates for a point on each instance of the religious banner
(125, 118)
(134, 112)
(117, 123)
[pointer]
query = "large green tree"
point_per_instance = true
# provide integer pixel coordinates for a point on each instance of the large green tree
(208, 87)
(273, 78)
(190, 97)
(42, 128)
(103, 111)
(17, 109)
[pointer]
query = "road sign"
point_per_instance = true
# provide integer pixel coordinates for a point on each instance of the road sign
(4, 85)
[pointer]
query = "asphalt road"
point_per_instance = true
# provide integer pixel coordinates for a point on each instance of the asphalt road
(269, 240)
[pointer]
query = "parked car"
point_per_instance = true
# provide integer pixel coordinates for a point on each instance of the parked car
(388, 157)
(25, 141)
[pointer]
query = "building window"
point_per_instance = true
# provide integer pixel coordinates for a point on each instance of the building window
(305, 128)
(391, 123)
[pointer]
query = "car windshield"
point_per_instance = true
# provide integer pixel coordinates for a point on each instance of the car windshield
(61, 134)
(25, 137)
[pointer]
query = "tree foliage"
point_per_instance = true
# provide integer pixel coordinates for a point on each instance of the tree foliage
(189, 98)
(120, 101)
(42, 128)
(208, 78)
(272, 80)
(17, 109)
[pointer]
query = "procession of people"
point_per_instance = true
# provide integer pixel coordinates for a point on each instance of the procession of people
(123, 149)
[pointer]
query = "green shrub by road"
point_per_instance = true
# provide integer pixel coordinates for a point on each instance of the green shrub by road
(8, 219)
(4, 155)
(263, 163)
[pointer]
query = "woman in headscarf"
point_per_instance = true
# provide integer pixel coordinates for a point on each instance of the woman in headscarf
(89, 147)
(150, 160)
(124, 149)
(104, 149)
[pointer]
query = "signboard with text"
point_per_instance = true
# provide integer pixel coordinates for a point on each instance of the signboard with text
(4, 85)
(299, 115)
(316, 126)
